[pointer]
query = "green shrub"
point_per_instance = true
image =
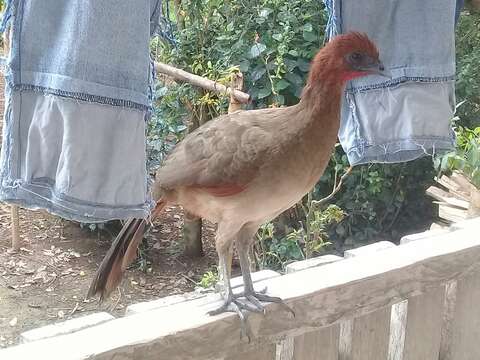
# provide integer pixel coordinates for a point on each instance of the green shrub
(272, 42)
(466, 156)
(468, 69)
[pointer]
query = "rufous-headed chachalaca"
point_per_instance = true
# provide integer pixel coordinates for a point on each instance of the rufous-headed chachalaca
(243, 169)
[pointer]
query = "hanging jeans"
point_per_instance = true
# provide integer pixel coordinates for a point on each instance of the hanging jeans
(407, 116)
(78, 94)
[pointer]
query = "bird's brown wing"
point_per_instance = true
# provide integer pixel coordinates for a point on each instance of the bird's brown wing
(222, 156)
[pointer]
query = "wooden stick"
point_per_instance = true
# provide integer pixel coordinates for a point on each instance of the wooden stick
(318, 203)
(234, 105)
(201, 82)
(454, 188)
(237, 84)
(15, 227)
(461, 180)
(446, 197)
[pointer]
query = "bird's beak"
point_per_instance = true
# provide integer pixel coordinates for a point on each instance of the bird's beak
(379, 69)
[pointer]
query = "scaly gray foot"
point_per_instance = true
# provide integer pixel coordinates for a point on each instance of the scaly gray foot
(250, 301)
(257, 297)
(233, 304)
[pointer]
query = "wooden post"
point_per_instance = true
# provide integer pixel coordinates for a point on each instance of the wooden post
(366, 337)
(179, 15)
(192, 225)
(466, 320)
(234, 105)
(14, 208)
(323, 341)
(474, 206)
(192, 235)
(192, 228)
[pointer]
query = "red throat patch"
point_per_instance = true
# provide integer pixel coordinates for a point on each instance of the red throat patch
(349, 75)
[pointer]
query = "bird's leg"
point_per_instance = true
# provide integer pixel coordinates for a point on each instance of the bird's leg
(231, 303)
(249, 293)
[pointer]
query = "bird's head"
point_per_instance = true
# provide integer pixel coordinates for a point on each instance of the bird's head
(346, 57)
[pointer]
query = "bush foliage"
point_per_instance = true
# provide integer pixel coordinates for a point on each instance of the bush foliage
(272, 42)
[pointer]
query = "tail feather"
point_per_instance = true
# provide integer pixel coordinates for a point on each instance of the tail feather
(131, 251)
(121, 254)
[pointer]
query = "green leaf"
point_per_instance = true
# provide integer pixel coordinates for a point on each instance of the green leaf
(278, 37)
(244, 65)
(264, 92)
(310, 36)
(280, 99)
(294, 78)
(258, 72)
(293, 53)
(308, 27)
(298, 91)
(282, 85)
(303, 65)
(271, 65)
(160, 92)
(265, 12)
(254, 92)
(257, 49)
(290, 64)
(260, 20)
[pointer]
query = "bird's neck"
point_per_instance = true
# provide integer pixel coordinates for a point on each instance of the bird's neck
(314, 128)
(321, 103)
(323, 91)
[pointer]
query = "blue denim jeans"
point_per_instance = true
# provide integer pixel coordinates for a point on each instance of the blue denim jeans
(79, 78)
(409, 115)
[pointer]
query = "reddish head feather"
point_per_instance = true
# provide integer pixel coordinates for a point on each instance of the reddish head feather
(330, 65)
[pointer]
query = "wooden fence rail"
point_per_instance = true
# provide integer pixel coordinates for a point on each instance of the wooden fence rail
(416, 301)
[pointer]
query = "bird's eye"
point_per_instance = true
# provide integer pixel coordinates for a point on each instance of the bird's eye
(356, 56)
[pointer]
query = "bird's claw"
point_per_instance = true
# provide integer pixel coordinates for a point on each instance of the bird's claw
(245, 302)
(232, 304)
(257, 297)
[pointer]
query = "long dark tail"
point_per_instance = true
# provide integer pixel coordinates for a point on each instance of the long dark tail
(121, 254)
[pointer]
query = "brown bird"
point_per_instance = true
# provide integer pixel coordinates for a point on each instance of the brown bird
(243, 169)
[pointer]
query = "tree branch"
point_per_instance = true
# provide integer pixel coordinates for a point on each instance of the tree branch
(201, 82)
(335, 190)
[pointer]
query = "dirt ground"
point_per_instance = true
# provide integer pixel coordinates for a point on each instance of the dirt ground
(47, 280)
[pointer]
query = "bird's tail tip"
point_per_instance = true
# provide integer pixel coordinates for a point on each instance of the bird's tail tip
(122, 252)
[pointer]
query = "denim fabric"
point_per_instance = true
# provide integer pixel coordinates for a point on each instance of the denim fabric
(78, 93)
(84, 47)
(408, 116)
(55, 157)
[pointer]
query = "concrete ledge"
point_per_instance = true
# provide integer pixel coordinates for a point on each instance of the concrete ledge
(369, 249)
(423, 235)
(321, 296)
(65, 327)
(311, 263)
(236, 282)
(467, 224)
